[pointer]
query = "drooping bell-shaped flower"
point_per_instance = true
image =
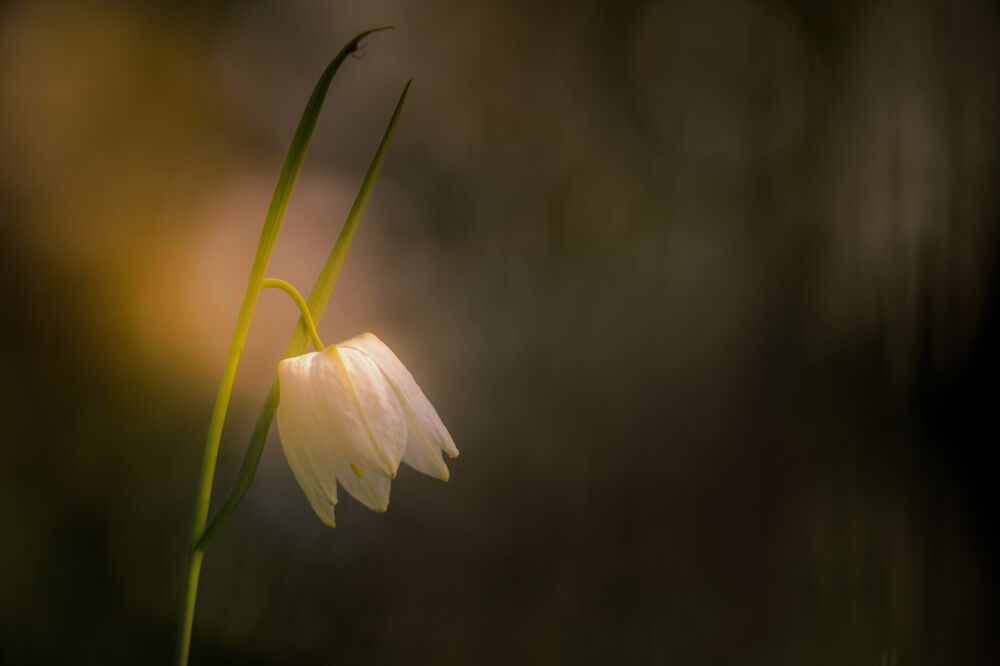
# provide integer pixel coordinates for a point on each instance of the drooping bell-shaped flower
(349, 414)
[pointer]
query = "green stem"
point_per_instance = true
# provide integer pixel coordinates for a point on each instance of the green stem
(272, 223)
(318, 298)
(275, 283)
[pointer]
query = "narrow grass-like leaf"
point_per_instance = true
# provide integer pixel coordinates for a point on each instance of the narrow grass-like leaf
(272, 224)
(318, 299)
(293, 160)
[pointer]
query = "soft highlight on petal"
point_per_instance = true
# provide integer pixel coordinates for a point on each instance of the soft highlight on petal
(302, 440)
(325, 394)
(427, 435)
(380, 408)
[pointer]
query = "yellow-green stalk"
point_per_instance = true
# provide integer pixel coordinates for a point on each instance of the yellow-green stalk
(272, 224)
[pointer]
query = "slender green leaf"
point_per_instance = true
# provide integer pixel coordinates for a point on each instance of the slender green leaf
(293, 162)
(272, 224)
(318, 299)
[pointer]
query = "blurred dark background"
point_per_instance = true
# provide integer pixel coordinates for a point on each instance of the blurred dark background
(706, 293)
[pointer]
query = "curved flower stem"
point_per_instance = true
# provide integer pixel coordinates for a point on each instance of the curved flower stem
(318, 299)
(272, 223)
(275, 283)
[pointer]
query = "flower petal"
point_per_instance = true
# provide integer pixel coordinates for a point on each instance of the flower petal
(427, 435)
(304, 444)
(324, 391)
(383, 415)
(366, 486)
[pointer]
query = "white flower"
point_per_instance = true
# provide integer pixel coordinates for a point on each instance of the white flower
(349, 414)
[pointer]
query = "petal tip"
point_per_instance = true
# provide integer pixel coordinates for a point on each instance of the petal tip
(385, 469)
